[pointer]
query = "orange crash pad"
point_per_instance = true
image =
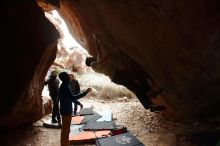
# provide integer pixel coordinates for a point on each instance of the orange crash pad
(77, 120)
(88, 136)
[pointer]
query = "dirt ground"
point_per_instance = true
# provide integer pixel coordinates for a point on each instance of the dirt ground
(151, 128)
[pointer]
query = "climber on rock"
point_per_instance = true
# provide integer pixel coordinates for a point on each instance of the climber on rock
(124, 74)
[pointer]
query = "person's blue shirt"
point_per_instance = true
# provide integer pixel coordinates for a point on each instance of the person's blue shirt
(67, 97)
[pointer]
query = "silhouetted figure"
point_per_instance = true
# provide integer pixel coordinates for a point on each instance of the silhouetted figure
(66, 98)
(53, 86)
(76, 90)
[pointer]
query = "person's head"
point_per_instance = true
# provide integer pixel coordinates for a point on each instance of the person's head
(89, 60)
(64, 77)
(53, 74)
(71, 76)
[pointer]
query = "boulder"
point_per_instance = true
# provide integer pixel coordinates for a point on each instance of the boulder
(31, 42)
(176, 43)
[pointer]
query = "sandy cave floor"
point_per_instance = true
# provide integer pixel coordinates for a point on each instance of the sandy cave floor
(153, 129)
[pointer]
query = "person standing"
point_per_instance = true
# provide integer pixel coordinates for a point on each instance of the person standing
(53, 86)
(76, 90)
(66, 98)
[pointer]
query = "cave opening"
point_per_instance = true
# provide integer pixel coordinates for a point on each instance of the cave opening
(71, 58)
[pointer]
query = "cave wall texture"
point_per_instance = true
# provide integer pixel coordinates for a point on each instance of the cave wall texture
(30, 42)
(177, 43)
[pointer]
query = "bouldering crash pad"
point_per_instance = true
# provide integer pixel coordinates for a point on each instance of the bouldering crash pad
(77, 120)
(86, 111)
(76, 129)
(88, 136)
(106, 116)
(119, 129)
(84, 119)
(125, 139)
(88, 118)
(103, 125)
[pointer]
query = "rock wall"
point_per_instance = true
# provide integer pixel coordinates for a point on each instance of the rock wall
(175, 42)
(30, 45)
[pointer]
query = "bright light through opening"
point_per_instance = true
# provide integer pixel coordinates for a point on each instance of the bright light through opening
(67, 41)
